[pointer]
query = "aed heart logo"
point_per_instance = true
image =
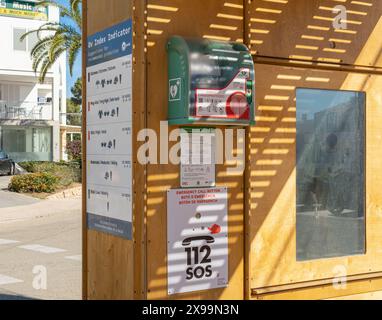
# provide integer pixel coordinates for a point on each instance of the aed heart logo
(175, 89)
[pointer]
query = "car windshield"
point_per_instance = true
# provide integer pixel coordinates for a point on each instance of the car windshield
(3, 155)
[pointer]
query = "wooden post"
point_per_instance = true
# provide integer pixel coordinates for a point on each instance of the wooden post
(84, 161)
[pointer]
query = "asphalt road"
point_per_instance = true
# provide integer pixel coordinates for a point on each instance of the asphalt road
(9, 199)
(40, 248)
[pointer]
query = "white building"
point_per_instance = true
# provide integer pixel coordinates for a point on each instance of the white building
(29, 111)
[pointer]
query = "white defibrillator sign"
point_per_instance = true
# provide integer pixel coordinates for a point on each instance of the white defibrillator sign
(197, 234)
(197, 168)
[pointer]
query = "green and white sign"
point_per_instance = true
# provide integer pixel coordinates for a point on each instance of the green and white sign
(23, 9)
(175, 89)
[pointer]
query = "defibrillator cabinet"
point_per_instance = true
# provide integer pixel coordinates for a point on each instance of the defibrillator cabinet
(210, 82)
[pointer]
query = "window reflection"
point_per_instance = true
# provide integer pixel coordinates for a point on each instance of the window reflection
(27, 143)
(330, 173)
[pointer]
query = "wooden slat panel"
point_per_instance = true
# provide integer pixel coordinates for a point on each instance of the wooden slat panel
(271, 172)
(110, 267)
(197, 18)
(360, 289)
(139, 118)
(303, 29)
(273, 196)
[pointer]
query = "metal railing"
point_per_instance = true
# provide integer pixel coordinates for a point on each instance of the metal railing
(25, 110)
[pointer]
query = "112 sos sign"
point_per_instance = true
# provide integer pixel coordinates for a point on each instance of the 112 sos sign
(198, 258)
(197, 240)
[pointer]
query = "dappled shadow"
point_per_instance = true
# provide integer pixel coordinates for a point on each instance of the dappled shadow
(203, 19)
(288, 40)
(306, 41)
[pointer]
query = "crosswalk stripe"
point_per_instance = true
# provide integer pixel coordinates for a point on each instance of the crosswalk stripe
(6, 241)
(42, 249)
(4, 280)
(75, 258)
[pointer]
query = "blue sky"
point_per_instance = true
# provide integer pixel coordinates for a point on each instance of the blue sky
(78, 65)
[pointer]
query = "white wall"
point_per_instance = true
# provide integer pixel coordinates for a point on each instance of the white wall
(18, 60)
(16, 67)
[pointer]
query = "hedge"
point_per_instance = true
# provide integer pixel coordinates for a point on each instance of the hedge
(34, 182)
(67, 172)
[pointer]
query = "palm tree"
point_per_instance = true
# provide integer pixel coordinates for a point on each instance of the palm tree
(55, 38)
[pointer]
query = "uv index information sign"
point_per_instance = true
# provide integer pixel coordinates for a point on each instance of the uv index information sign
(109, 130)
(197, 239)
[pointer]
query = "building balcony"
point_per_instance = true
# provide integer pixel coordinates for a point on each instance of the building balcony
(25, 111)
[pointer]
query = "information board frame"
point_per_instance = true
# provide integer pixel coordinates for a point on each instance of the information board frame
(109, 131)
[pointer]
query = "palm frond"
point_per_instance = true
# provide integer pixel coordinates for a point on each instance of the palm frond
(48, 64)
(55, 38)
(76, 6)
(40, 44)
(72, 54)
(57, 42)
(46, 27)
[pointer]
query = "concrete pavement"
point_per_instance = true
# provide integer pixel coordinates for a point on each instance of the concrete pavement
(38, 209)
(40, 248)
(4, 181)
(11, 199)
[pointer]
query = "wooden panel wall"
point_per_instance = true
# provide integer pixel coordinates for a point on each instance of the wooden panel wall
(273, 179)
(197, 18)
(303, 29)
(368, 289)
(272, 170)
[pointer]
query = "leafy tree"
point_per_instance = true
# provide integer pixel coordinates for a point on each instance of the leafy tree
(77, 92)
(55, 38)
(73, 111)
(74, 104)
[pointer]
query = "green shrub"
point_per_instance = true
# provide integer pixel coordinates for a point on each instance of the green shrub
(67, 172)
(34, 182)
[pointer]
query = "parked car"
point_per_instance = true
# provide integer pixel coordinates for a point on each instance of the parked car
(7, 165)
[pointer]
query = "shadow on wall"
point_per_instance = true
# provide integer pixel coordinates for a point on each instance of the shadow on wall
(302, 39)
(273, 140)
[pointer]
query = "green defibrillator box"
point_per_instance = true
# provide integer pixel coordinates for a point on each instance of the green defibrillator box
(210, 82)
